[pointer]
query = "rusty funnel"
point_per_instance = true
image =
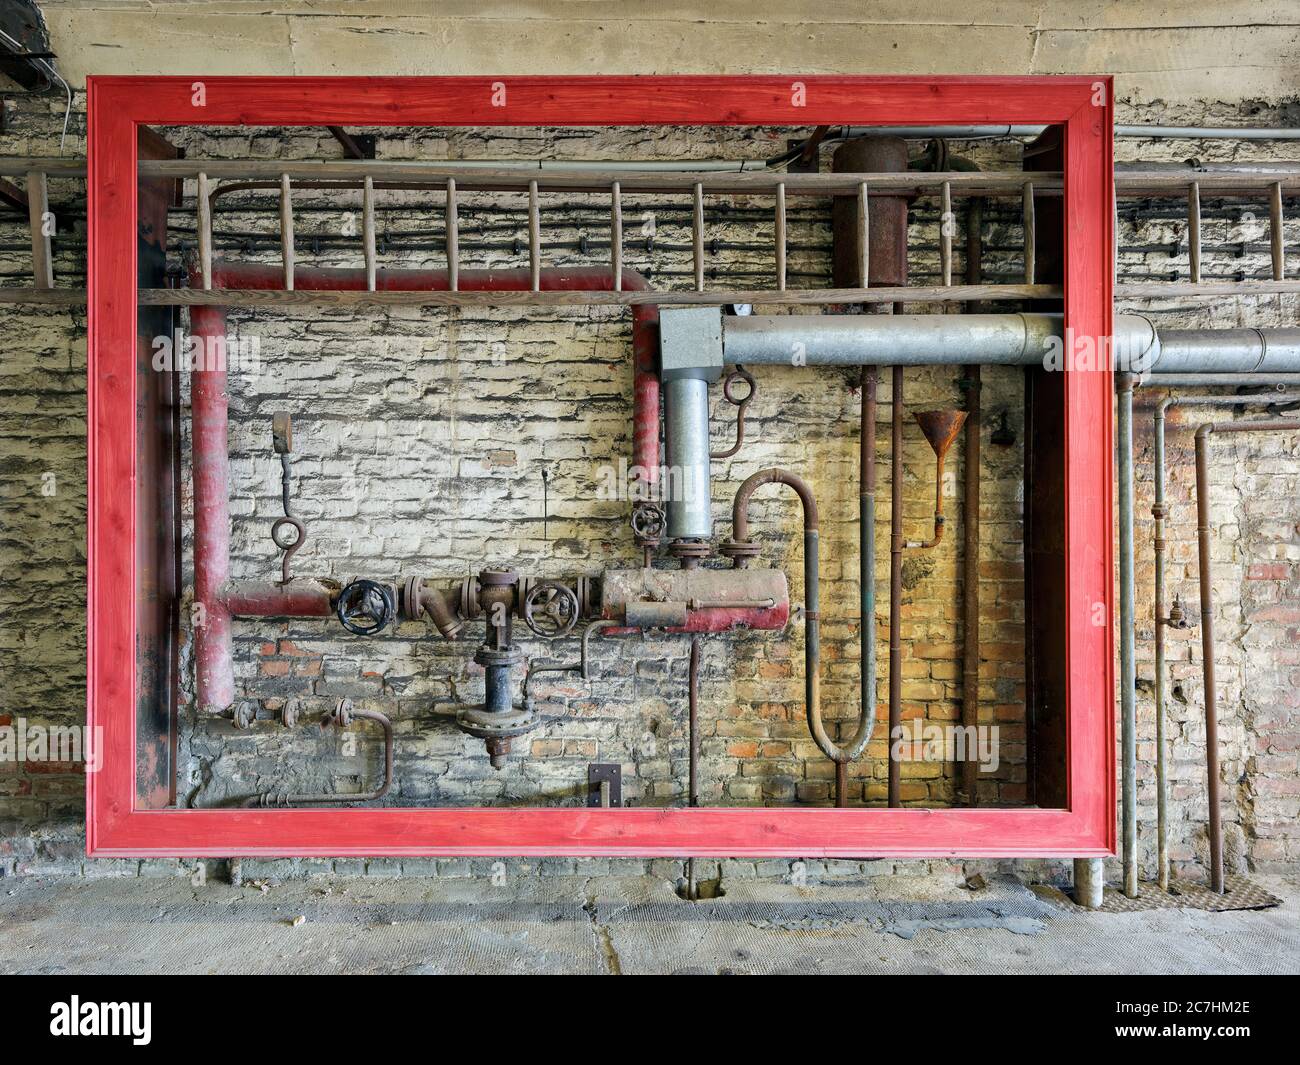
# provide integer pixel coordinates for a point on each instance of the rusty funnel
(940, 428)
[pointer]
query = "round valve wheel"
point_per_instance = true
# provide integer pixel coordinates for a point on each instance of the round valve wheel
(365, 607)
(551, 609)
(648, 521)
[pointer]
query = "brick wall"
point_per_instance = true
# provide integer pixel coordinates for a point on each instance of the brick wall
(414, 454)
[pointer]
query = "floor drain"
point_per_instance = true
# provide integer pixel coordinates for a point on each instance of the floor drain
(704, 889)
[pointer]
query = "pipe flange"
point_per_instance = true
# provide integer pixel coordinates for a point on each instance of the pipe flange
(490, 656)
(690, 550)
(484, 724)
(740, 551)
(497, 577)
(585, 587)
(412, 599)
(470, 607)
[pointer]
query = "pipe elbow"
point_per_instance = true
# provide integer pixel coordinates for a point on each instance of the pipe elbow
(740, 508)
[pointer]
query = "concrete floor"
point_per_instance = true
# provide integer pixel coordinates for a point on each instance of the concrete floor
(617, 926)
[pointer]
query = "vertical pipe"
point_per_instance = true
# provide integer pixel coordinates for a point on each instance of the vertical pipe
(453, 237)
(1162, 772)
(204, 213)
(693, 783)
(1205, 574)
(534, 237)
(1160, 512)
(945, 232)
(697, 236)
(686, 424)
(864, 236)
(1275, 232)
(1207, 654)
(780, 236)
(895, 580)
(213, 647)
(1031, 232)
(286, 232)
(616, 234)
(1194, 229)
(970, 667)
(1089, 883)
(368, 229)
(1128, 680)
(867, 383)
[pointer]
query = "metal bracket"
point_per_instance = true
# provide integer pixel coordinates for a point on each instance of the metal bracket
(604, 784)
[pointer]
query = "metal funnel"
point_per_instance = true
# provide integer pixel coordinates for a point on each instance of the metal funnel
(940, 428)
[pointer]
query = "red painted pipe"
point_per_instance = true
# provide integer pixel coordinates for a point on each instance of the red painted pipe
(210, 401)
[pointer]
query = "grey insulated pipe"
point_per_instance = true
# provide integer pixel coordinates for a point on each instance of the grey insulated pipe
(1005, 339)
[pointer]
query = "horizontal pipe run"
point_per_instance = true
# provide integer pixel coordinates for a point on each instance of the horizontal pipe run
(1006, 339)
(299, 598)
(325, 797)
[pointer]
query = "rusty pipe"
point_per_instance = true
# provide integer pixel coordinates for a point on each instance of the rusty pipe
(341, 718)
(1161, 619)
(940, 428)
(693, 721)
(973, 383)
(1205, 576)
(812, 613)
(970, 669)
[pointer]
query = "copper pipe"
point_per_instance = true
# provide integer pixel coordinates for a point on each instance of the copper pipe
(1205, 576)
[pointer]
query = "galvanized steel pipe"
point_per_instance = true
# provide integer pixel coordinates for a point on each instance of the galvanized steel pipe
(1137, 344)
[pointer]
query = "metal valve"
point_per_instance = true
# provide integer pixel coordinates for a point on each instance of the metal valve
(366, 607)
(551, 609)
(1177, 618)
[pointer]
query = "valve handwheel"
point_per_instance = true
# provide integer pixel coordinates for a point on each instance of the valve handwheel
(648, 521)
(551, 609)
(365, 607)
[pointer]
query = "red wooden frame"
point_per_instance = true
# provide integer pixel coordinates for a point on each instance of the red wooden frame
(114, 824)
